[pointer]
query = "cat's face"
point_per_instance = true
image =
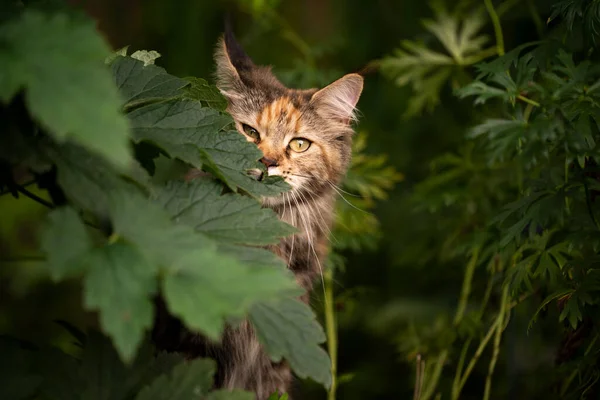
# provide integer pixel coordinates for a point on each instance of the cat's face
(305, 135)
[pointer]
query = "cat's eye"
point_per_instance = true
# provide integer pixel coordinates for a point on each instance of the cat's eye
(250, 131)
(299, 145)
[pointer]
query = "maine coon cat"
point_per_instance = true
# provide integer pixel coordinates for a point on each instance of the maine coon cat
(305, 136)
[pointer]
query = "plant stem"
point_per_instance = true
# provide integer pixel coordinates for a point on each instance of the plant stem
(497, 339)
(478, 352)
(331, 329)
(528, 100)
(461, 363)
(507, 5)
(497, 27)
(433, 380)
(34, 197)
(466, 286)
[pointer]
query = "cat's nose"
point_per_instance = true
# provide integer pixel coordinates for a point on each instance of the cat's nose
(268, 162)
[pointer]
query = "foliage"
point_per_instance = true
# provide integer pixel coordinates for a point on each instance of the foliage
(427, 70)
(101, 149)
(518, 201)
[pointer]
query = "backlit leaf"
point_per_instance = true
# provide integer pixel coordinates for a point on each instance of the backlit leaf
(40, 56)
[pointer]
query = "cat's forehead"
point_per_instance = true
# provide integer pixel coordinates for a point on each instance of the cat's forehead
(282, 112)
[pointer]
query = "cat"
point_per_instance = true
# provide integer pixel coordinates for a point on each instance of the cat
(306, 138)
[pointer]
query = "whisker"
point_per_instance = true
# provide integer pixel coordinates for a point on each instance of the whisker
(346, 200)
(343, 191)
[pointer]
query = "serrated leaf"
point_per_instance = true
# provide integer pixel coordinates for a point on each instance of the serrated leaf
(224, 217)
(189, 380)
(147, 57)
(228, 156)
(186, 130)
(288, 329)
(40, 55)
(87, 180)
(145, 224)
(208, 277)
(64, 240)
(139, 83)
(119, 284)
(202, 91)
(177, 127)
(252, 256)
(101, 375)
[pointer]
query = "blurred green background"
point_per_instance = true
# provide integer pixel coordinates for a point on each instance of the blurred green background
(382, 293)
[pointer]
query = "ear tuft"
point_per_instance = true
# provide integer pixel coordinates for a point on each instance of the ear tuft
(338, 100)
(232, 62)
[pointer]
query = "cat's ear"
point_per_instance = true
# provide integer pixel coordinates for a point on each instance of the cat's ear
(338, 100)
(232, 63)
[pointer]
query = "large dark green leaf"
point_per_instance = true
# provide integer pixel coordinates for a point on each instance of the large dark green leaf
(138, 83)
(119, 283)
(222, 286)
(68, 88)
(287, 328)
(176, 126)
(187, 381)
(208, 94)
(87, 180)
(225, 217)
(186, 130)
(64, 240)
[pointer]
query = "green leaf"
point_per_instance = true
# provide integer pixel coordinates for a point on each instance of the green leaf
(556, 295)
(101, 375)
(147, 57)
(143, 223)
(287, 328)
(139, 83)
(187, 381)
(119, 284)
(207, 277)
(204, 92)
(427, 70)
(87, 180)
(64, 240)
(177, 127)
(230, 395)
(228, 217)
(186, 130)
(228, 156)
(40, 55)
(253, 256)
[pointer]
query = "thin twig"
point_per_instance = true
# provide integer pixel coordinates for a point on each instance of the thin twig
(507, 5)
(497, 27)
(418, 379)
(466, 286)
(475, 358)
(34, 197)
(528, 100)
(499, 329)
(331, 329)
